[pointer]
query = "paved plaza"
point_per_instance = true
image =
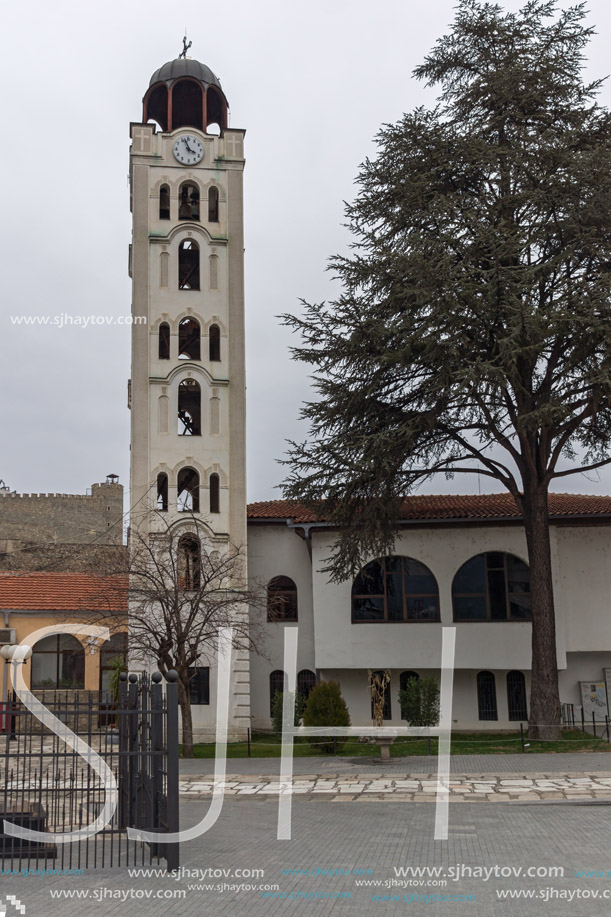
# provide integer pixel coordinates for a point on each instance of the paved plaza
(339, 843)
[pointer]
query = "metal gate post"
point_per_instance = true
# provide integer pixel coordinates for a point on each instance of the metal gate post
(172, 850)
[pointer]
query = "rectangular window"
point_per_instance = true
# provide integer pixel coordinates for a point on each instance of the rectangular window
(423, 608)
(470, 608)
(199, 685)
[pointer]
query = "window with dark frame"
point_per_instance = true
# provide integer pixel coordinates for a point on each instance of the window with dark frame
(281, 599)
(306, 680)
(387, 713)
(199, 685)
(162, 492)
(395, 589)
(164, 203)
(58, 661)
(516, 696)
(214, 343)
(215, 493)
(213, 205)
(405, 678)
(277, 682)
(492, 587)
(486, 696)
(164, 341)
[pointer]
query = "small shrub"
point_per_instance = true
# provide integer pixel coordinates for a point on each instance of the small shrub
(326, 707)
(419, 702)
(277, 705)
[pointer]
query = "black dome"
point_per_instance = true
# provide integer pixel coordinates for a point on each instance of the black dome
(175, 69)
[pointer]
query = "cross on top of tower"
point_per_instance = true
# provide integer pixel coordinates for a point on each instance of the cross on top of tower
(185, 47)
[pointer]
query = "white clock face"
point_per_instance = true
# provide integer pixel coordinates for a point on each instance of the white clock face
(188, 150)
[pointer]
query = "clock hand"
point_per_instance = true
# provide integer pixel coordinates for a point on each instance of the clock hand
(187, 145)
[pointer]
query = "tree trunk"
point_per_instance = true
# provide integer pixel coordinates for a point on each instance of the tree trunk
(544, 721)
(187, 720)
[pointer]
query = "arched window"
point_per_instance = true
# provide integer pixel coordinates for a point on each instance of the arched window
(277, 682)
(215, 493)
(189, 408)
(213, 205)
(405, 678)
(214, 339)
(187, 104)
(380, 678)
(486, 696)
(164, 203)
(156, 106)
(162, 492)
(58, 661)
(306, 680)
(188, 491)
(189, 335)
(516, 696)
(395, 589)
(188, 202)
(281, 599)
(216, 112)
(114, 648)
(164, 341)
(492, 587)
(188, 265)
(189, 563)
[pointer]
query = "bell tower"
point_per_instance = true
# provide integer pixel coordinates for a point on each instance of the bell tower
(187, 387)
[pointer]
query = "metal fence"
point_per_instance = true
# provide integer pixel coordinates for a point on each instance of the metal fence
(574, 717)
(47, 786)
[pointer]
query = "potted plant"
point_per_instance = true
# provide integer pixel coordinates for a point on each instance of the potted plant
(117, 666)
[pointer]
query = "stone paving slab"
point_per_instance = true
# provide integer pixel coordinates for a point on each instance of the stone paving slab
(375, 837)
(515, 765)
(475, 788)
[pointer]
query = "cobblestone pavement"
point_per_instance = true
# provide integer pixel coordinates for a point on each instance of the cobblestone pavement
(336, 848)
(565, 763)
(412, 787)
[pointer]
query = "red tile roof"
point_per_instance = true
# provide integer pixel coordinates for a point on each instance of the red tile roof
(440, 507)
(62, 592)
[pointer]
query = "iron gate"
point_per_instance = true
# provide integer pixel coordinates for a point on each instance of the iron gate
(47, 786)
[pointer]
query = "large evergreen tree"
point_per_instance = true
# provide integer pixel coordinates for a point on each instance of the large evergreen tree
(472, 333)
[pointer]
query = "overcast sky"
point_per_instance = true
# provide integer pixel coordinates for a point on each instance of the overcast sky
(311, 82)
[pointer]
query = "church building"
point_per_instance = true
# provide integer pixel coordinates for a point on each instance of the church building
(459, 561)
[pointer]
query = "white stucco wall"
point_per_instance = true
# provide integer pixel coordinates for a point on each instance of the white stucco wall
(276, 550)
(338, 649)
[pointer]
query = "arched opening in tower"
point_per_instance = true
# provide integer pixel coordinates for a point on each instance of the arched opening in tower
(189, 408)
(187, 104)
(157, 106)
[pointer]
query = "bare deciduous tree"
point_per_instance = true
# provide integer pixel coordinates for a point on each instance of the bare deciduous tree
(183, 589)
